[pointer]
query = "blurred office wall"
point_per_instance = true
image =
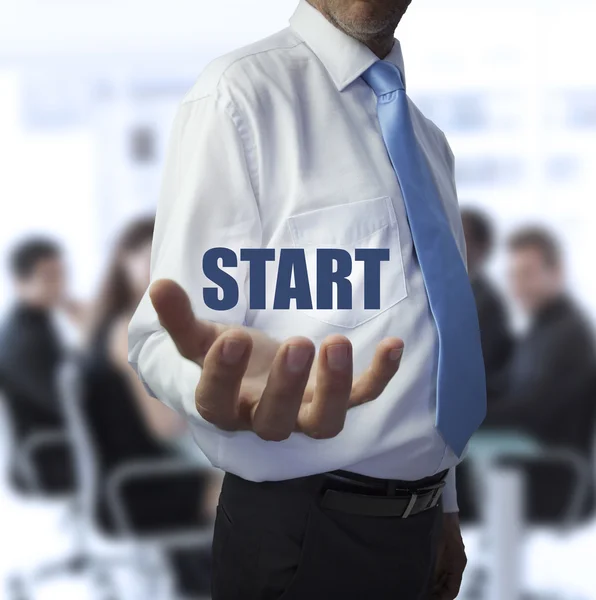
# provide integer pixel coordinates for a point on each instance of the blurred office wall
(88, 91)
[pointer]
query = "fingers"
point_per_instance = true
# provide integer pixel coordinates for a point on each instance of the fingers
(447, 588)
(324, 417)
(216, 396)
(439, 591)
(276, 413)
(451, 560)
(334, 394)
(452, 576)
(193, 338)
(452, 587)
(385, 364)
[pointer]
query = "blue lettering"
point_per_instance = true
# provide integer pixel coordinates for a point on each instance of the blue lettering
(292, 261)
(257, 259)
(222, 279)
(334, 266)
(372, 257)
(326, 277)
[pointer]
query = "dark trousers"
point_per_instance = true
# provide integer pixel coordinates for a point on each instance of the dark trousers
(275, 541)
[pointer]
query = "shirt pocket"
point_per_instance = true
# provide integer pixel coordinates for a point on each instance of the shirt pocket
(366, 224)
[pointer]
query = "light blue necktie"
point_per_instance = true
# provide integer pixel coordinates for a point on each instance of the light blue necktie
(461, 387)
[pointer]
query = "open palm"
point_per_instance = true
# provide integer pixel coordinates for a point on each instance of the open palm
(252, 382)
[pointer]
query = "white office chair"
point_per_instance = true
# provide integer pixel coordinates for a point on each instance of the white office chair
(495, 449)
(145, 547)
(22, 585)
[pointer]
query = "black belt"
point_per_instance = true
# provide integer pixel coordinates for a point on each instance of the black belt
(368, 496)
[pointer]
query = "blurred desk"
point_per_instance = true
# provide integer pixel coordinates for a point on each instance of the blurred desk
(503, 505)
(491, 446)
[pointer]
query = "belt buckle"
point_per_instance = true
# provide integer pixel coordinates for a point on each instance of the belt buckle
(434, 499)
(436, 495)
(410, 506)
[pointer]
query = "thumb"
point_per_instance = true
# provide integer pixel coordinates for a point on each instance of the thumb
(192, 337)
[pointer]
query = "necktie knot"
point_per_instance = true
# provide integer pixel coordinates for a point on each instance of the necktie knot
(384, 77)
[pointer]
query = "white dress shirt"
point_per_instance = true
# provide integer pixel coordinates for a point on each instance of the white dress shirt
(278, 145)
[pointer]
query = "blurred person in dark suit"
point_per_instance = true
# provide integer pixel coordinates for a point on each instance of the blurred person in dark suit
(497, 342)
(129, 425)
(31, 350)
(548, 389)
(496, 336)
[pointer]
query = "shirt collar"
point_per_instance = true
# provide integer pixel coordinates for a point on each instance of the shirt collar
(344, 57)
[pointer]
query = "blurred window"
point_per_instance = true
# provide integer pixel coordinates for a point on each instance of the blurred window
(455, 112)
(505, 110)
(563, 168)
(580, 110)
(472, 112)
(55, 100)
(488, 170)
(165, 87)
(572, 109)
(468, 112)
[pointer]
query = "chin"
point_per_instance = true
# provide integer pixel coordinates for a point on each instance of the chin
(375, 16)
(380, 7)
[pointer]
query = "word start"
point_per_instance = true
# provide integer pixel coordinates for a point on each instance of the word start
(333, 268)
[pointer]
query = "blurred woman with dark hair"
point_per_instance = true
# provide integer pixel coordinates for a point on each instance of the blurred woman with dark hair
(129, 425)
(126, 281)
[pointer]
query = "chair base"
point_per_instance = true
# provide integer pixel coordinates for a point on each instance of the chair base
(23, 586)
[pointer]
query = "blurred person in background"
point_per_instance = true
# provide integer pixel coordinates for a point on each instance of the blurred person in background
(123, 287)
(496, 336)
(549, 391)
(132, 426)
(32, 348)
(497, 342)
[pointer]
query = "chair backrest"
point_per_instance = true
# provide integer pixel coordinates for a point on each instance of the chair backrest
(38, 460)
(104, 424)
(593, 461)
(8, 434)
(113, 416)
(572, 423)
(71, 387)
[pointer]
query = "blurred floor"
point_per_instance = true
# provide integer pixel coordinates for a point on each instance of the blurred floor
(558, 566)
(33, 532)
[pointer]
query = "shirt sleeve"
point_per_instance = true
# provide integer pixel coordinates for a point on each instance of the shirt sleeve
(450, 493)
(206, 201)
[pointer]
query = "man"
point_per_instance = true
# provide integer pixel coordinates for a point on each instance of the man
(494, 330)
(492, 316)
(549, 388)
(308, 141)
(31, 350)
